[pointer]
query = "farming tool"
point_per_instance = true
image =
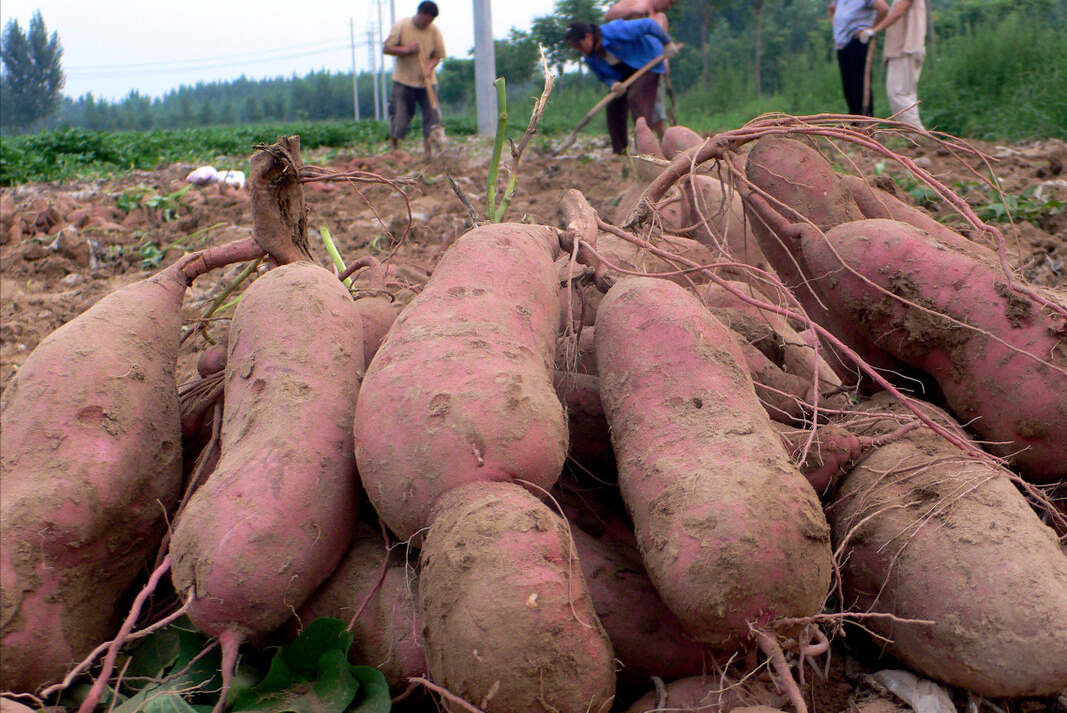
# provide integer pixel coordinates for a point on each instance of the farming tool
(604, 102)
(437, 132)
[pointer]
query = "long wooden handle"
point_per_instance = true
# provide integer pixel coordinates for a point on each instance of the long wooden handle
(427, 83)
(604, 102)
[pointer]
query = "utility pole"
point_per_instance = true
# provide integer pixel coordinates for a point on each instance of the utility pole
(381, 43)
(355, 84)
(484, 68)
(374, 59)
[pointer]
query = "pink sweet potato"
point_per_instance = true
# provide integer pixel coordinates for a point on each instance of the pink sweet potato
(715, 216)
(677, 139)
(378, 314)
(709, 694)
(387, 633)
(276, 515)
(806, 186)
(647, 638)
(998, 356)
(730, 531)
(461, 389)
(590, 443)
(91, 460)
(929, 534)
(508, 620)
(646, 144)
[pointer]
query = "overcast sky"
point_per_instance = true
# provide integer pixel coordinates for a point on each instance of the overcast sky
(111, 47)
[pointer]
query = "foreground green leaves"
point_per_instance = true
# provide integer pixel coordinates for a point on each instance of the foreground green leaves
(176, 670)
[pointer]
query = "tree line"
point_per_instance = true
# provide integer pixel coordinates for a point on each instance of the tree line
(735, 50)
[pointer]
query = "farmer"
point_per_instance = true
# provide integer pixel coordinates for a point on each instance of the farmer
(905, 50)
(657, 10)
(615, 51)
(418, 47)
(850, 18)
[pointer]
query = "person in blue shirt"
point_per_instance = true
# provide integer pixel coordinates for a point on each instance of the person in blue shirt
(616, 50)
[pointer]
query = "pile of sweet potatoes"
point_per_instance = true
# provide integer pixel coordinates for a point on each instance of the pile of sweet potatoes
(584, 460)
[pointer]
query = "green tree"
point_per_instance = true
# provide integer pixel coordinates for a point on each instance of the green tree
(516, 57)
(32, 75)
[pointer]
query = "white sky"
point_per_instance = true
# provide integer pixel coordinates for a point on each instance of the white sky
(112, 47)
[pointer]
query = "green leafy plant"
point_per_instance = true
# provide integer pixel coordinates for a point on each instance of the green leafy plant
(312, 675)
(1023, 206)
(176, 670)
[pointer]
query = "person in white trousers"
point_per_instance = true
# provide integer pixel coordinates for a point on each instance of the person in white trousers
(905, 50)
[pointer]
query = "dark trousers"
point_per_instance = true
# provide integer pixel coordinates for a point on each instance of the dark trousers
(639, 100)
(852, 59)
(402, 105)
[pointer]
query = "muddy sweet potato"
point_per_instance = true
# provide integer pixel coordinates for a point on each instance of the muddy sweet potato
(647, 638)
(90, 462)
(461, 389)
(387, 634)
(998, 356)
(729, 530)
(804, 186)
(508, 620)
(929, 534)
(277, 513)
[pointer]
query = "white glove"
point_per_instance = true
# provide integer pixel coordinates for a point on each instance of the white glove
(617, 88)
(670, 51)
(866, 35)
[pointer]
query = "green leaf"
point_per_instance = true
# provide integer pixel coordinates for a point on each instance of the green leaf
(285, 691)
(374, 695)
(312, 675)
(320, 636)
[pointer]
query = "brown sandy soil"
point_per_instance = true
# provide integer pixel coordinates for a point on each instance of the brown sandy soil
(57, 259)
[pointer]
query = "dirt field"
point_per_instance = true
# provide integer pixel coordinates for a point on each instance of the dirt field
(57, 259)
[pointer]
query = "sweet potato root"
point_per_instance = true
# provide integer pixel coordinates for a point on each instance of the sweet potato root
(929, 534)
(461, 389)
(276, 515)
(508, 620)
(730, 532)
(91, 463)
(998, 356)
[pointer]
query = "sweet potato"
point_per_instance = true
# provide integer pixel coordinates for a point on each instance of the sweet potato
(806, 187)
(508, 620)
(90, 437)
(929, 534)
(798, 356)
(709, 694)
(590, 443)
(377, 314)
(730, 531)
(646, 144)
(647, 638)
(677, 139)
(387, 633)
(715, 216)
(276, 515)
(875, 203)
(998, 356)
(461, 389)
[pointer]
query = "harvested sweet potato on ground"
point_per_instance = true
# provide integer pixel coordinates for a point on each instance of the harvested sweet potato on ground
(508, 619)
(946, 542)
(461, 389)
(730, 532)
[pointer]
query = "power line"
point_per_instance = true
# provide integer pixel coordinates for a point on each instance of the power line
(220, 58)
(102, 73)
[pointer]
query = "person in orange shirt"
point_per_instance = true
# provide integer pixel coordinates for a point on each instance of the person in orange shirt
(418, 47)
(905, 50)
